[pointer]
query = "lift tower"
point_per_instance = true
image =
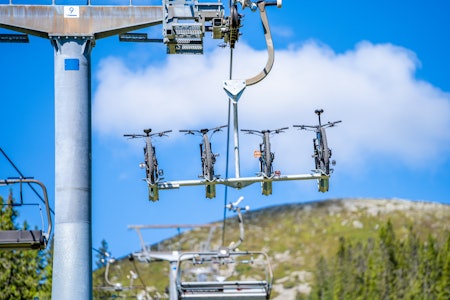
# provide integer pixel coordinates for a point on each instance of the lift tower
(72, 31)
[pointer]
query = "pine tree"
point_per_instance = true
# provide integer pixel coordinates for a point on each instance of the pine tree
(443, 288)
(388, 248)
(322, 289)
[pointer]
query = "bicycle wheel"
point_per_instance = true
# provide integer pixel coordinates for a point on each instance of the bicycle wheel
(267, 158)
(325, 161)
(316, 154)
(154, 172)
(150, 163)
(209, 162)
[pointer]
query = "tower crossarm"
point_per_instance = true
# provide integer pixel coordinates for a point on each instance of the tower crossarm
(92, 21)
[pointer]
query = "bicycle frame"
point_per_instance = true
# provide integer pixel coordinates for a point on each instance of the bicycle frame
(208, 158)
(267, 157)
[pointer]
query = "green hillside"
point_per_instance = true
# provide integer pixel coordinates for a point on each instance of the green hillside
(294, 236)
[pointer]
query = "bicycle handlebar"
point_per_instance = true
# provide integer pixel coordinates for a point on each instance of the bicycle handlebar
(252, 131)
(147, 134)
(329, 124)
(203, 131)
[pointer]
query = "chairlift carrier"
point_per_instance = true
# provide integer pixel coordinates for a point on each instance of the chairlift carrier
(220, 288)
(26, 239)
(226, 289)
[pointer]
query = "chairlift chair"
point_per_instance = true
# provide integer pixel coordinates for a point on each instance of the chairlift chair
(26, 239)
(218, 282)
(224, 287)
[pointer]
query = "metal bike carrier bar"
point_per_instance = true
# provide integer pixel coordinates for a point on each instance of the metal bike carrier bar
(27, 239)
(238, 183)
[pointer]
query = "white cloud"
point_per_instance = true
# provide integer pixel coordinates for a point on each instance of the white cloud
(386, 111)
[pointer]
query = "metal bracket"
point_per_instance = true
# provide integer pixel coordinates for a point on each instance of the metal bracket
(185, 23)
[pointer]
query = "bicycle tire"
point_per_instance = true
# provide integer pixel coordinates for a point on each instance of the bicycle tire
(325, 152)
(209, 161)
(154, 172)
(316, 154)
(267, 157)
(150, 163)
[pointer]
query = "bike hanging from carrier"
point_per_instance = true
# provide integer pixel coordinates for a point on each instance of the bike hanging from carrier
(322, 153)
(153, 172)
(266, 157)
(208, 158)
(23, 239)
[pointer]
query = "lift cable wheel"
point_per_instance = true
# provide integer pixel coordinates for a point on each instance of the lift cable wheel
(27, 239)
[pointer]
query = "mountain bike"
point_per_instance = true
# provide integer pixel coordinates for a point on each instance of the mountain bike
(322, 153)
(208, 158)
(266, 157)
(153, 173)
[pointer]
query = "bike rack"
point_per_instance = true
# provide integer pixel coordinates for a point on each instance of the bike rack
(27, 239)
(240, 182)
(195, 18)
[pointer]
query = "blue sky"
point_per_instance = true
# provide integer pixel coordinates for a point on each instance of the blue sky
(379, 66)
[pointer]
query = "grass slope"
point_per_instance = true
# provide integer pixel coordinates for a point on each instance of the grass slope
(294, 236)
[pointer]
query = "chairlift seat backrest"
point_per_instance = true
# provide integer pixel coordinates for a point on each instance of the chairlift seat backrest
(22, 239)
(216, 287)
(27, 239)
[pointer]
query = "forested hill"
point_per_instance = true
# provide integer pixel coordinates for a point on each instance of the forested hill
(344, 248)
